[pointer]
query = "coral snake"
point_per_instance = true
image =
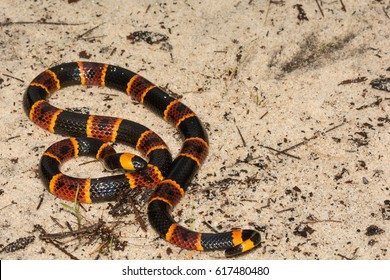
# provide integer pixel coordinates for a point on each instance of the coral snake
(168, 179)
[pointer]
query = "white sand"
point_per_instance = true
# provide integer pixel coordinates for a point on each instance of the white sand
(240, 65)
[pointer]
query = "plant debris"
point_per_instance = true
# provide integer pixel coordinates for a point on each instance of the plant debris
(99, 233)
(374, 230)
(147, 36)
(381, 84)
(18, 244)
(305, 232)
(301, 12)
(353, 81)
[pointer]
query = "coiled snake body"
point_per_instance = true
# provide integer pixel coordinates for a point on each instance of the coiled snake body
(169, 179)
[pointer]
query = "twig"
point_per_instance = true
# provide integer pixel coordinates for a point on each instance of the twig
(280, 152)
(147, 8)
(336, 126)
(242, 138)
(88, 162)
(81, 231)
(89, 31)
(321, 221)
(386, 14)
(9, 76)
(266, 113)
(266, 13)
(72, 257)
(40, 201)
(137, 214)
(210, 227)
(343, 6)
(319, 7)
(13, 137)
(296, 145)
(6, 23)
(285, 210)
(56, 222)
(12, 203)
(49, 240)
(309, 139)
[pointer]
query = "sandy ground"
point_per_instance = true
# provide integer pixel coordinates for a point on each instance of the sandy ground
(299, 138)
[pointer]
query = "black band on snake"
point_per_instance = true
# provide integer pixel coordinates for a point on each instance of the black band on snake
(91, 134)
